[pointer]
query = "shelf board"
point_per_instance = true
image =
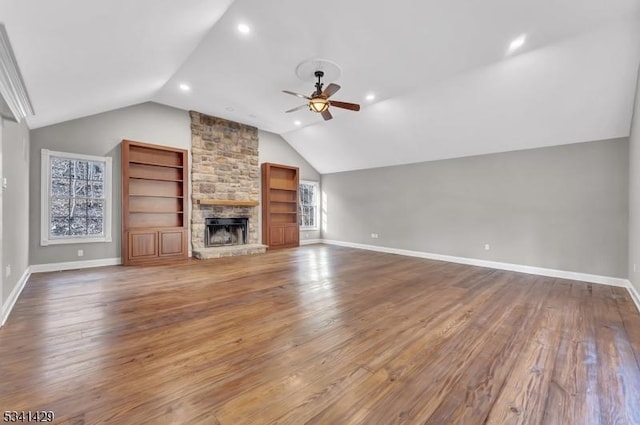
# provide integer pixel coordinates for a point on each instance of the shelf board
(157, 196)
(157, 164)
(288, 189)
(227, 202)
(151, 228)
(283, 202)
(281, 212)
(156, 179)
(156, 212)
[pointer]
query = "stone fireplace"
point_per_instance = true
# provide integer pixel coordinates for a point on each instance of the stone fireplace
(225, 181)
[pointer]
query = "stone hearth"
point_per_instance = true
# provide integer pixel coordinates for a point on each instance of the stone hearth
(224, 167)
(228, 251)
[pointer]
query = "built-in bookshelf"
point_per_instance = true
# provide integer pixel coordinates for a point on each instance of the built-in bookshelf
(280, 228)
(154, 191)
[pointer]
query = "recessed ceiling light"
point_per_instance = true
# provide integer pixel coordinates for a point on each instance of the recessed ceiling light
(370, 97)
(230, 108)
(517, 43)
(184, 87)
(298, 123)
(244, 28)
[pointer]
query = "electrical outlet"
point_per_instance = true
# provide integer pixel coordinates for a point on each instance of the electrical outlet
(374, 236)
(635, 268)
(80, 253)
(7, 270)
(487, 247)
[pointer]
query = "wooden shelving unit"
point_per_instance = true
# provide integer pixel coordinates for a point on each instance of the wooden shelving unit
(280, 227)
(154, 186)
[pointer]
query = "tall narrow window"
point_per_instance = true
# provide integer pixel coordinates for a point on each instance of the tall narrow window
(75, 198)
(308, 205)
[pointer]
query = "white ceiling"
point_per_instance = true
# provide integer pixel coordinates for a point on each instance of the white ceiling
(445, 86)
(80, 57)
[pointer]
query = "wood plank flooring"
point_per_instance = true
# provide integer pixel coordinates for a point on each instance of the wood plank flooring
(320, 335)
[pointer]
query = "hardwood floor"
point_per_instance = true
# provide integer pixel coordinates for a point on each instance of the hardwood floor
(320, 335)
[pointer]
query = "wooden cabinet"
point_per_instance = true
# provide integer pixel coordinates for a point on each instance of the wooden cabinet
(142, 244)
(292, 234)
(171, 242)
(280, 227)
(154, 193)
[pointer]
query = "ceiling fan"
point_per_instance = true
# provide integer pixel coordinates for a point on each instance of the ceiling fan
(319, 99)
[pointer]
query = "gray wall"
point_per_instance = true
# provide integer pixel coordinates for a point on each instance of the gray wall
(15, 203)
(275, 149)
(634, 195)
(100, 135)
(562, 208)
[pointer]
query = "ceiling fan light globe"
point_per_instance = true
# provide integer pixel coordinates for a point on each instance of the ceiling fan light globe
(318, 104)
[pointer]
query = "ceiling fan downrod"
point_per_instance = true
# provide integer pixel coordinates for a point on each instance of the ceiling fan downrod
(319, 84)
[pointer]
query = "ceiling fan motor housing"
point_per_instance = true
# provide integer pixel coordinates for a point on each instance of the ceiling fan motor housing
(318, 104)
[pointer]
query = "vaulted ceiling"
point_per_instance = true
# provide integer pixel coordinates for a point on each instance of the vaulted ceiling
(445, 84)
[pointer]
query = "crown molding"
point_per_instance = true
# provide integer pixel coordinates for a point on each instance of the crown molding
(12, 88)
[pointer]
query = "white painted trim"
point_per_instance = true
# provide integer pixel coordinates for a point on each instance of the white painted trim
(604, 280)
(12, 87)
(1, 224)
(71, 265)
(39, 268)
(310, 241)
(316, 192)
(45, 190)
(13, 296)
(585, 277)
(635, 296)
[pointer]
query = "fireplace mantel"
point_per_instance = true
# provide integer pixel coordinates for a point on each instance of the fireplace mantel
(227, 202)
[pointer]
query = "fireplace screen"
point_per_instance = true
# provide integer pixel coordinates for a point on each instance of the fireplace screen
(225, 231)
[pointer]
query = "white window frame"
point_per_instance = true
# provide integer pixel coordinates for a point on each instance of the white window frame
(45, 199)
(317, 196)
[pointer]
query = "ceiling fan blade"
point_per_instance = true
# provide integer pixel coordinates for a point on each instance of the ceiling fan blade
(297, 108)
(345, 105)
(296, 94)
(327, 115)
(331, 90)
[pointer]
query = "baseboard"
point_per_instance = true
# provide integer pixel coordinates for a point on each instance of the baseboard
(71, 265)
(52, 267)
(635, 296)
(13, 296)
(310, 241)
(584, 277)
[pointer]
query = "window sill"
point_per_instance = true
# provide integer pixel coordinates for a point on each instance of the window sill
(46, 242)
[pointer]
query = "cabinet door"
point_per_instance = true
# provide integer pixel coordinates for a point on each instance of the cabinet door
(291, 235)
(143, 244)
(172, 242)
(276, 235)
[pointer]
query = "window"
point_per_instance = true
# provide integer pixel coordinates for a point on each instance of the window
(75, 198)
(308, 206)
